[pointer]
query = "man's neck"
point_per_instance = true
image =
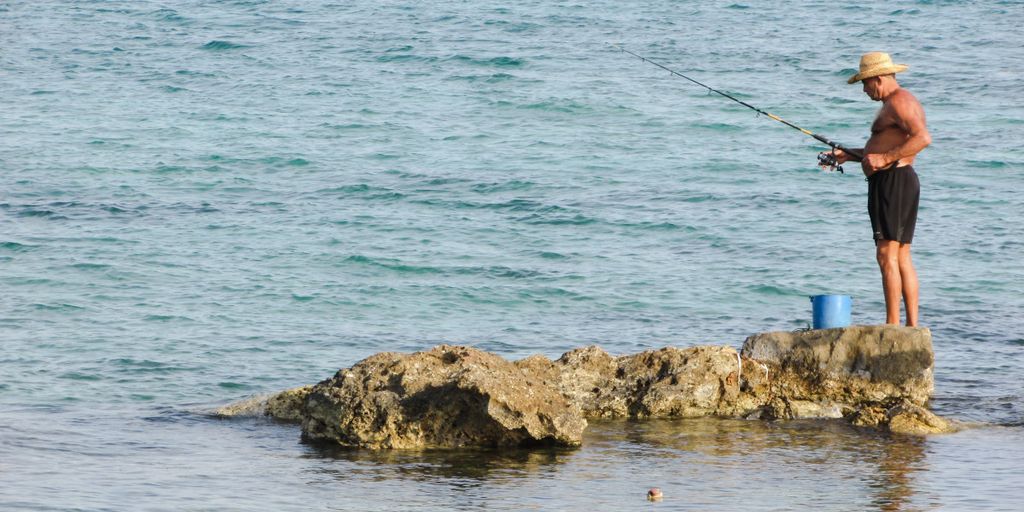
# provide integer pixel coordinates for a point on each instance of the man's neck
(887, 93)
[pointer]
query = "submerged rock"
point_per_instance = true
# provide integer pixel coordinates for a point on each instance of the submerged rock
(249, 407)
(285, 406)
(901, 417)
(907, 418)
(453, 396)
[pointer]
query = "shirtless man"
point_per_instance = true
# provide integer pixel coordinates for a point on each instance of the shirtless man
(897, 136)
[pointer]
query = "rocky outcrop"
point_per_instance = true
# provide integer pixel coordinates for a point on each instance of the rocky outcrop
(452, 396)
(446, 397)
(863, 373)
(853, 364)
(665, 383)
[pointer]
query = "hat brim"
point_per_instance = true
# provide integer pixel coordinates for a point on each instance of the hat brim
(886, 70)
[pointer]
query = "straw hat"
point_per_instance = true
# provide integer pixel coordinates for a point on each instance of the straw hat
(876, 64)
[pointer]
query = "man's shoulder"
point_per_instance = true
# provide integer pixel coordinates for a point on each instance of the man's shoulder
(902, 104)
(903, 96)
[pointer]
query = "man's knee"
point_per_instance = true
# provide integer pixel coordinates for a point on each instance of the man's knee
(887, 249)
(904, 254)
(887, 253)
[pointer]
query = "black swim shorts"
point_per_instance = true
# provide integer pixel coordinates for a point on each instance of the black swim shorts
(893, 196)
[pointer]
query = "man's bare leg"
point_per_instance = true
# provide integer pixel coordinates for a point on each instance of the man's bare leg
(887, 253)
(908, 277)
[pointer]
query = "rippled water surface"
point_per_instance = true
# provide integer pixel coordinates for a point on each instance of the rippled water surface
(204, 200)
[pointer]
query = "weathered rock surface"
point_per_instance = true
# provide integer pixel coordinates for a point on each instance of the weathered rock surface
(901, 417)
(288, 405)
(665, 383)
(858, 363)
(446, 397)
(451, 396)
(851, 372)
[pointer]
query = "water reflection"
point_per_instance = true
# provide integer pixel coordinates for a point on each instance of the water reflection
(889, 461)
(797, 464)
(894, 483)
(470, 464)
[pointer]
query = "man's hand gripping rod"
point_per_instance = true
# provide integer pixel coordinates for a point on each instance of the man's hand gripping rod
(829, 159)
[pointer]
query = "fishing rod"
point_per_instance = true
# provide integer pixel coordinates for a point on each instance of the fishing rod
(824, 159)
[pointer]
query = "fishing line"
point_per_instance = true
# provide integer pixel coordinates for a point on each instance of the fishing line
(824, 159)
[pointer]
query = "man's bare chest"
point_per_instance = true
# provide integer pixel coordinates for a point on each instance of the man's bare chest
(885, 121)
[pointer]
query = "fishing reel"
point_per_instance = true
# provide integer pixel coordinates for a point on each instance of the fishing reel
(827, 161)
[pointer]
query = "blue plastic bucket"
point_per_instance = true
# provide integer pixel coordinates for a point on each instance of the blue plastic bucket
(830, 311)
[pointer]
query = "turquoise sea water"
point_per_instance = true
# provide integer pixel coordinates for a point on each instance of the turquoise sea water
(205, 200)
